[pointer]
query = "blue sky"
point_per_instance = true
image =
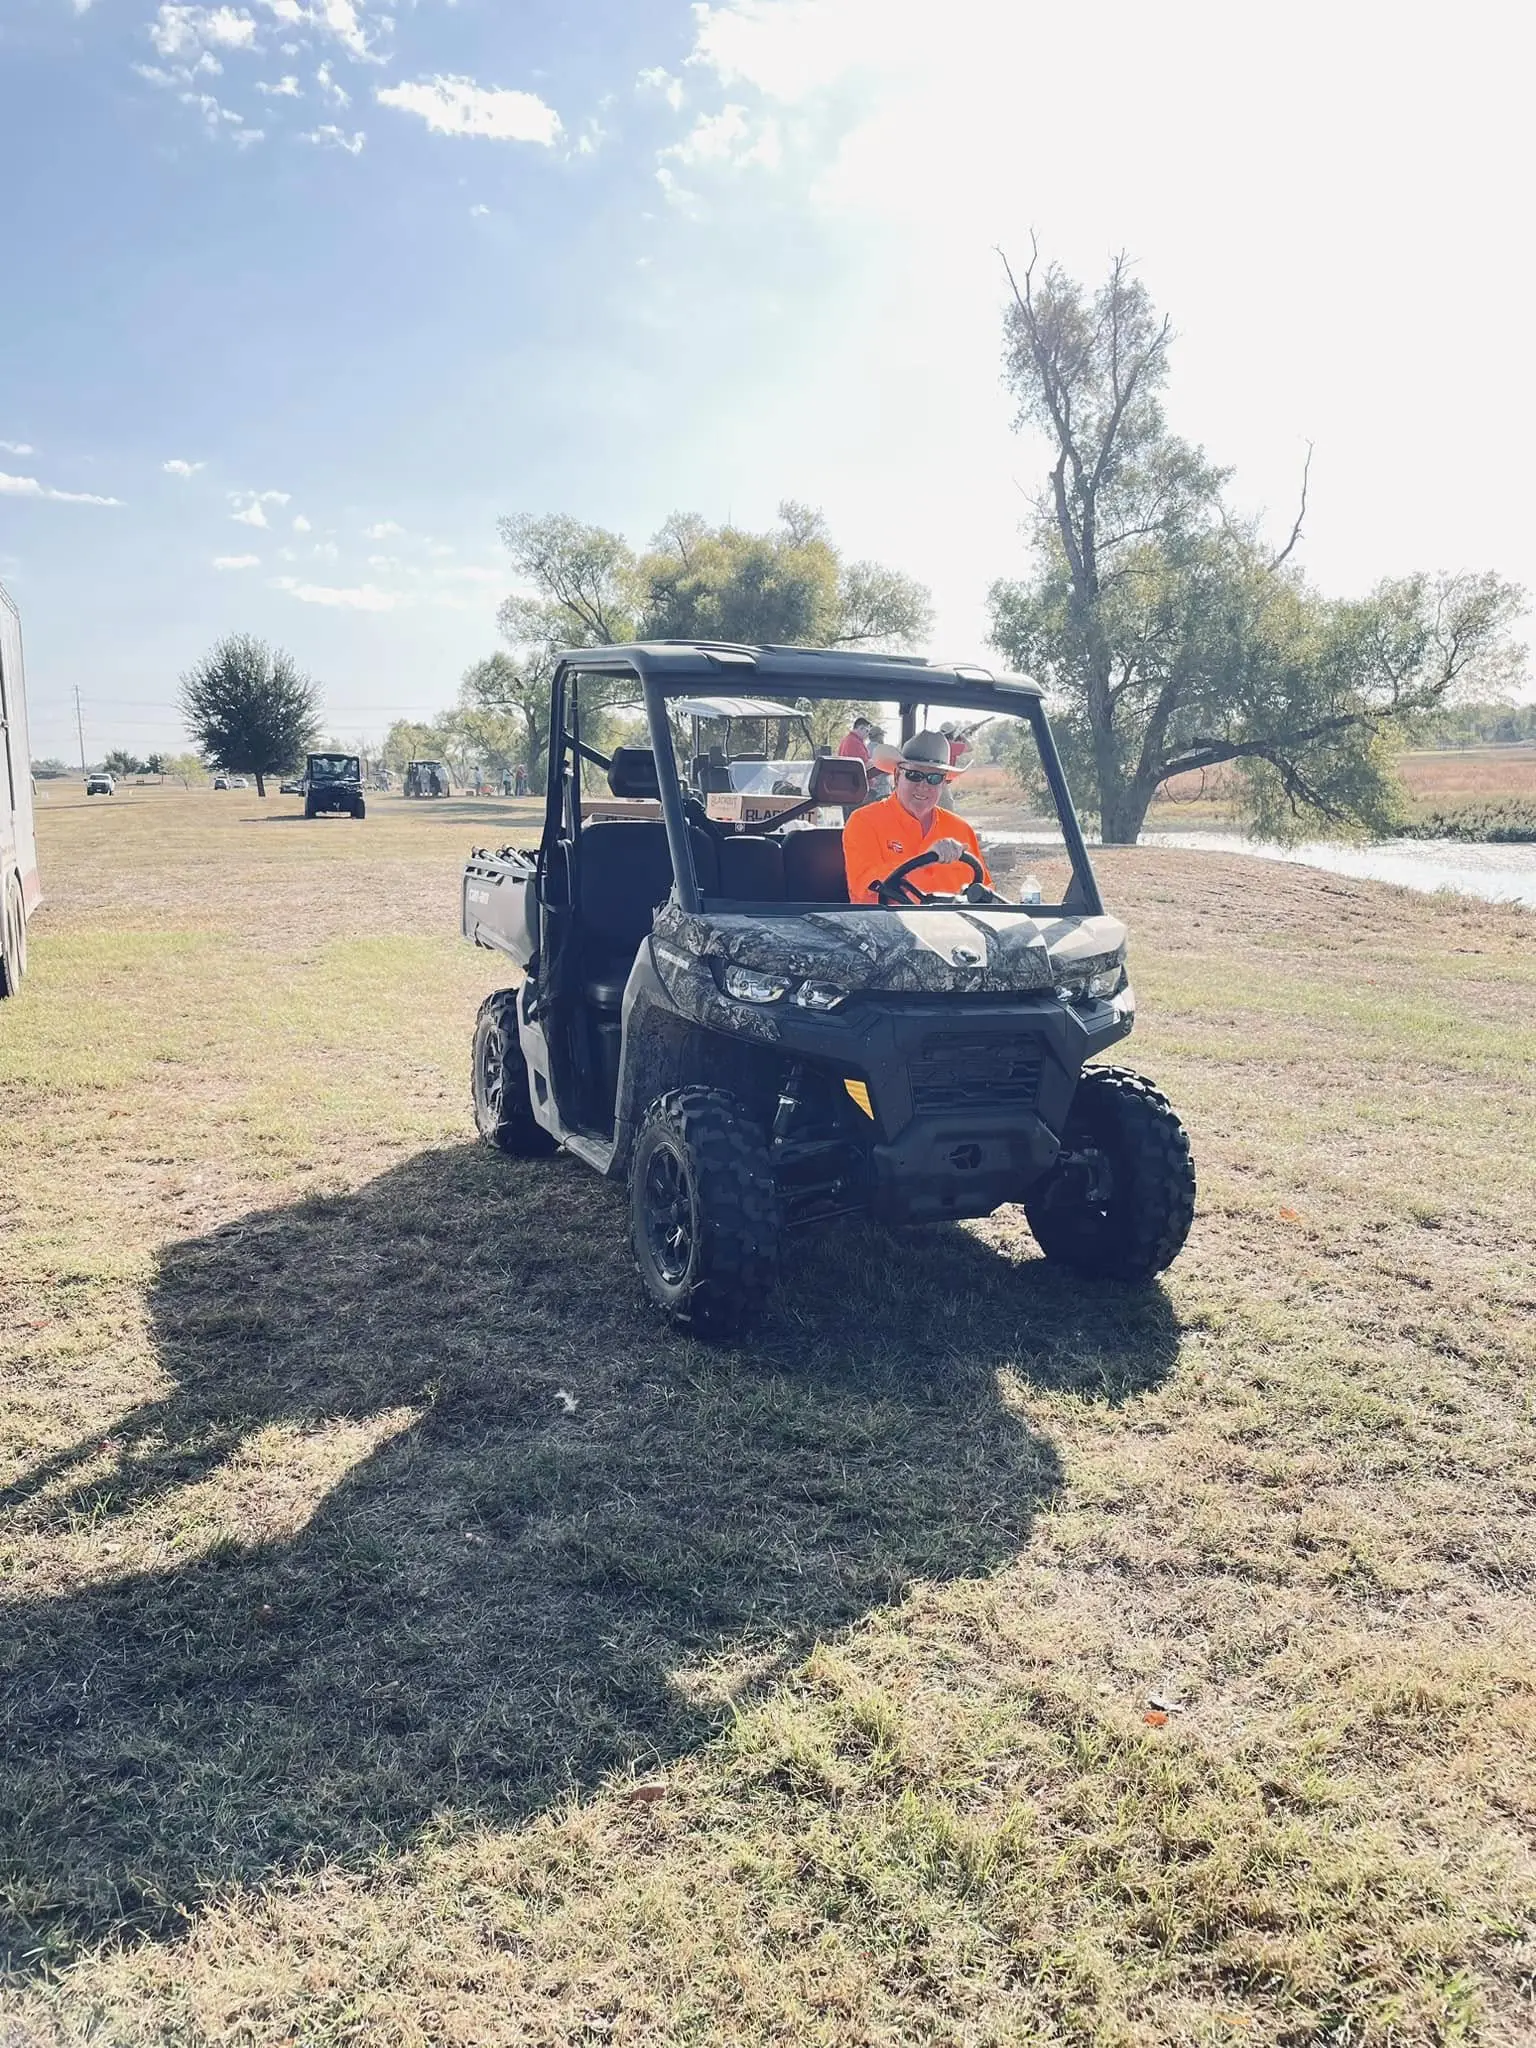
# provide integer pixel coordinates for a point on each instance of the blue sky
(312, 290)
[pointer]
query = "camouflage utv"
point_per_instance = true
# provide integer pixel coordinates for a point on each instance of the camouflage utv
(703, 1014)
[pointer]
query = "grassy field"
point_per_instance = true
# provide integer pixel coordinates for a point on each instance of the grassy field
(406, 1642)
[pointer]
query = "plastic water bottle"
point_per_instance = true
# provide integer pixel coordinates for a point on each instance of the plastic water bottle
(1029, 890)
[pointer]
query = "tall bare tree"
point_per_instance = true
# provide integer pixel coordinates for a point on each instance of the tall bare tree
(1171, 637)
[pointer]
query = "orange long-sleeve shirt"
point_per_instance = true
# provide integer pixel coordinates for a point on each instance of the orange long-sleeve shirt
(880, 836)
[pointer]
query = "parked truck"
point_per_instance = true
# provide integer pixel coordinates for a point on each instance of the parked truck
(20, 890)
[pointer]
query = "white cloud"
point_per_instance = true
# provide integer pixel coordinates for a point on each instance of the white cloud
(177, 30)
(340, 19)
(475, 213)
(29, 487)
(325, 551)
(657, 79)
(237, 561)
(329, 137)
(249, 505)
(247, 138)
(301, 524)
(211, 111)
(176, 467)
(732, 139)
(18, 447)
(336, 94)
(365, 597)
(286, 88)
(457, 106)
(385, 530)
(796, 48)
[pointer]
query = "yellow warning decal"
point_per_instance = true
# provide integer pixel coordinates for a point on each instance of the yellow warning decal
(859, 1090)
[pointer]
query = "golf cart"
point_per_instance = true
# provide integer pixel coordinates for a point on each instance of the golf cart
(425, 778)
(744, 744)
(703, 1013)
(333, 782)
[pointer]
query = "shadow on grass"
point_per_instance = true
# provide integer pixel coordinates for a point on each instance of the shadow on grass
(491, 1606)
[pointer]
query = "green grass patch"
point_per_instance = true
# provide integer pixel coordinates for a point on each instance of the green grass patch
(406, 1641)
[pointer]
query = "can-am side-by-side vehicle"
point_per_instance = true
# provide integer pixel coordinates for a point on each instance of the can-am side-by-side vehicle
(332, 783)
(703, 1014)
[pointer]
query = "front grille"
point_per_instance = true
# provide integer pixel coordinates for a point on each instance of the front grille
(975, 1073)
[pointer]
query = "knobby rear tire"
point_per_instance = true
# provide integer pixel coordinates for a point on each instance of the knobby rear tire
(13, 940)
(499, 1091)
(1141, 1226)
(700, 1152)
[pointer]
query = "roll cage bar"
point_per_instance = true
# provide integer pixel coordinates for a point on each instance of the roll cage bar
(666, 669)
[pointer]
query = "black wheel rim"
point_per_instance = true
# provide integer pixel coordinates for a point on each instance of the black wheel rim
(491, 1073)
(668, 1208)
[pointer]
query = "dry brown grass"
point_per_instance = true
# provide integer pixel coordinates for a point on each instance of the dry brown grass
(369, 1552)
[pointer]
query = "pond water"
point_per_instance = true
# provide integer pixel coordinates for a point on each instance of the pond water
(1500, 874)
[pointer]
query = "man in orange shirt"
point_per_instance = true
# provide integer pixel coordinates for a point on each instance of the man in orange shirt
(912, 820)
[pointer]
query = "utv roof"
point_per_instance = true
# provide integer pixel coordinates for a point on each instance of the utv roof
(728, 707)
(805, 671)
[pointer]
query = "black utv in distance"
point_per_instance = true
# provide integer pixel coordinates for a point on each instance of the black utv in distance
(333, 782)
(703, 1013)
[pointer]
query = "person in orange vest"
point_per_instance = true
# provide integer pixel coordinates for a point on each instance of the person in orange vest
(912, 820)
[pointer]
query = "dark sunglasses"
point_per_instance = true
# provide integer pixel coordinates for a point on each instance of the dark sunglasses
(922, 775)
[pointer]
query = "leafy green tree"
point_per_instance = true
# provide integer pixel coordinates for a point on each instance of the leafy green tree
(121, 763)
(506, 702)
(586, 589)
(1169, 637)
(409, 740)
(585, 586)
(787, 587)
(250, 709)
(185, 769)
(50, 770)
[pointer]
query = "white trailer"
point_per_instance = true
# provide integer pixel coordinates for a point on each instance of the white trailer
(20, 890)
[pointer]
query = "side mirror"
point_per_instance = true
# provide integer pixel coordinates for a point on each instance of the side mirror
(838, 779)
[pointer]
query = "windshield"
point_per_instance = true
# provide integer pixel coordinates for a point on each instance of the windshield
(757, 838)
(333, 768)
(998, 787)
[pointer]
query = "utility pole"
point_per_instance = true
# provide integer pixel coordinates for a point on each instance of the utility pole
(80, 728)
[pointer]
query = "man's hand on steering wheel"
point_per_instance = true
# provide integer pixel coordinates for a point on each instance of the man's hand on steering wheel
(896, 889)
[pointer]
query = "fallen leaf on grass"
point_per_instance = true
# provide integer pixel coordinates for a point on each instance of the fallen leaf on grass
(1155, 1718)
(647, 1793)
(1290, 1215)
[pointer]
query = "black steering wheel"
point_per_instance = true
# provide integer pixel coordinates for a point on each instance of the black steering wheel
(896, 889)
